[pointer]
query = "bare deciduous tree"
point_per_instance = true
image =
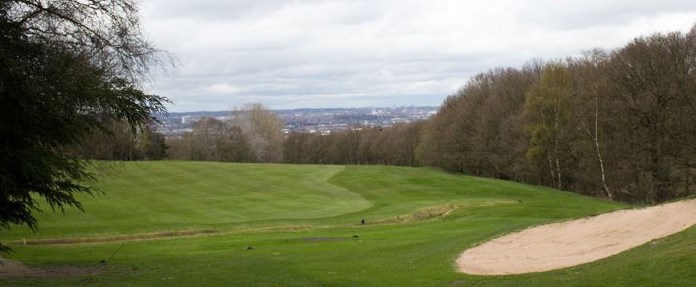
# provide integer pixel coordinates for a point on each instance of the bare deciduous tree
(263, 131)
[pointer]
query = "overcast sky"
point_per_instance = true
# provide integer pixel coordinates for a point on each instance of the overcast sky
(354, 53)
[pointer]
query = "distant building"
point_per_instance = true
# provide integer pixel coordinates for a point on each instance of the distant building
(314, 121)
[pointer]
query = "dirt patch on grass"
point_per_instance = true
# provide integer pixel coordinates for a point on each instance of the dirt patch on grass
(125, 237)
(157, 235)
(14, 269)
(435, 211)
(279, 228)
(323, 239)
(570, 243)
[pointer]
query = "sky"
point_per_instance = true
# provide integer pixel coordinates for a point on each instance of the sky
(374, 53)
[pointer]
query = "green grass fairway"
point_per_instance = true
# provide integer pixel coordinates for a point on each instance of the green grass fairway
(301, 221)
(141, 197)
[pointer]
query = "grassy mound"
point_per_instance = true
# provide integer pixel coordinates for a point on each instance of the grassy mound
(291, 225)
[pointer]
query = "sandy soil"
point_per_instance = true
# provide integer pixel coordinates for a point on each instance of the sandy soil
(570, 243)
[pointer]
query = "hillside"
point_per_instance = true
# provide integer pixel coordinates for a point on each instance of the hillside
(215, 224)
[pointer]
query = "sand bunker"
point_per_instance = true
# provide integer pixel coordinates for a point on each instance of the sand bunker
(570, 243)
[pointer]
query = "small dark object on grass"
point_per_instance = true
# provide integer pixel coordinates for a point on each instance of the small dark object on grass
(102, 261)
(362, 222)
(356, 237)
(250, 248)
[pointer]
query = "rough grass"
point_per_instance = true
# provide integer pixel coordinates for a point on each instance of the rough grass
(303, 226)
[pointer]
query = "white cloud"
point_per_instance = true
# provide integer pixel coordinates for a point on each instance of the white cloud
(312, 53)
(222, 88)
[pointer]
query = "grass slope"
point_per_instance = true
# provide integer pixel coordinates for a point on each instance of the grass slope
(301, 220)
(140, 197)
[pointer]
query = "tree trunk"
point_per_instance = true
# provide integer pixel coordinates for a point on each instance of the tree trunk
(594, 136)
(599, 153)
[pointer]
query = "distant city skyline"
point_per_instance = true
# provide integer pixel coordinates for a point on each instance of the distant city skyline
(317, 120)
(324, 54)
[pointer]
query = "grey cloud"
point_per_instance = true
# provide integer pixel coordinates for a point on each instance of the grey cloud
(359, 53)
(552, 14)
(209, 9)
(221, 10)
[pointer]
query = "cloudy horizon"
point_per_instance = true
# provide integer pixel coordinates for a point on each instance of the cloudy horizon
(323, 54)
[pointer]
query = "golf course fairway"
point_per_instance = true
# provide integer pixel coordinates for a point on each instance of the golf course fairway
(173, 223)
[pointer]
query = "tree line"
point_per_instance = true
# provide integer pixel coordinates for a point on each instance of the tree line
(617, 124)
(254, 134)
(120, 141)
(394, 145)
